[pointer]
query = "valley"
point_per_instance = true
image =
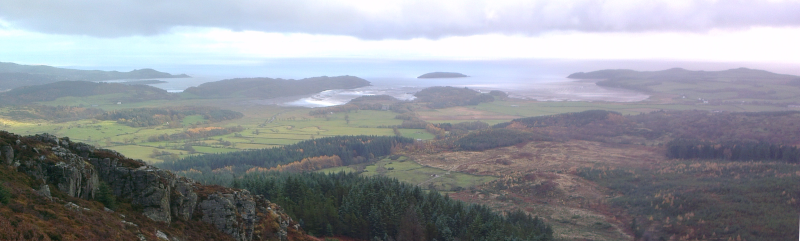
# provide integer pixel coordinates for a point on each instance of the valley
(577, 165)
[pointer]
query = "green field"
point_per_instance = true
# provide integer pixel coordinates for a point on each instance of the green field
(418, 134)
(268, 126)
(192, 119)
(290, 126)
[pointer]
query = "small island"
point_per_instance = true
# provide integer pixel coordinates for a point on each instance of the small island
(436, 75)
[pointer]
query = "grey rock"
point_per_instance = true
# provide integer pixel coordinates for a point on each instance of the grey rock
(47, 138)
(129, 223)
(221, 210)
(163, 195)
(45, 191)
(161, 235)
(73, 175)
(7, 154)
(147, 186)
(72, 206)
(185, 199)
(75, 207)
(82, 149)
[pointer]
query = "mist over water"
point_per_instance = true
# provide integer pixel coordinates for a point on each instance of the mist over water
(543, 80)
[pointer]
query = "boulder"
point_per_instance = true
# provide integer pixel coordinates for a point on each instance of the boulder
(69, 174)
(221, 210)
(145, 186)
(44, 190)
(7, 154)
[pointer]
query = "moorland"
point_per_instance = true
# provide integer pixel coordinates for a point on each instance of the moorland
(710, 155)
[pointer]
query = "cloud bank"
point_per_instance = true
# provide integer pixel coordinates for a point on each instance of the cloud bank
(393, 19)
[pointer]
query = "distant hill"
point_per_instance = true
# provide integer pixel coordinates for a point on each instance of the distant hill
(266, 88)
(689, 76)
(367, 102)
(740, 84)
(53, 91)
(15, 75)
(434, 75)
(143, 82)
(443, 97)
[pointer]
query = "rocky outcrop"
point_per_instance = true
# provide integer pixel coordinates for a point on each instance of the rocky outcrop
(7, 155)
(221, 210)
(77, 169)
(145, 186)
(54, 164)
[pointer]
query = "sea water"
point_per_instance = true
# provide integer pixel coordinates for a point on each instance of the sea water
(544, 80)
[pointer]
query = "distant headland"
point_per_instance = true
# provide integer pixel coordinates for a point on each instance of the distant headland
(16, 75)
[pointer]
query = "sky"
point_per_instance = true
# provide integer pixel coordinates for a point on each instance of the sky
(235, 32)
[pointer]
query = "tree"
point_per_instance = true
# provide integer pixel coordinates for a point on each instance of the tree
(5, 195)
(410, 228)
(106, 196)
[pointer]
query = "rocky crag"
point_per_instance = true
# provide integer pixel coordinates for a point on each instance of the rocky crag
(77, 170)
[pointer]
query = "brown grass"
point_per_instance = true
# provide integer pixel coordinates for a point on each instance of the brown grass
(538, 177)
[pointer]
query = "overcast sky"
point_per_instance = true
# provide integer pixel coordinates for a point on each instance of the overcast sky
(121, 32)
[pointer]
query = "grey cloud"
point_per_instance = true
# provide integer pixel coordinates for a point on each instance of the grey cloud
(407, 19)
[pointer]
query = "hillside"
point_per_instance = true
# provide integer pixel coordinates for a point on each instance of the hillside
(713, 87)
(435, 75)
(690, 174)
(53, 91)
(442, 97)
(55, 189)
(16, 75)
(367, 102)
(266, 88)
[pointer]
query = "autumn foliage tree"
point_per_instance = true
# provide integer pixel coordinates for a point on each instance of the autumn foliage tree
(305, 165)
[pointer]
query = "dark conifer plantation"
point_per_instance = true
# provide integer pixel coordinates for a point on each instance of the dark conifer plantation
(732, 150)
(351, 149)
(379, 208)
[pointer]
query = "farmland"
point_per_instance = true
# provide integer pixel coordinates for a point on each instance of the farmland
(578, 182)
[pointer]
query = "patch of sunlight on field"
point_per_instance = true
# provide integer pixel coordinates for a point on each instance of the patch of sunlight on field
(9, 123)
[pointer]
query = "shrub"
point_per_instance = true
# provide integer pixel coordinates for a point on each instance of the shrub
(106, 196)
(5, 195)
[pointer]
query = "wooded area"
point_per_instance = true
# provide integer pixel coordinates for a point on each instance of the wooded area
(443, 97)
(143, 117)
(378, 208)
(732, 150)
(351, 150)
